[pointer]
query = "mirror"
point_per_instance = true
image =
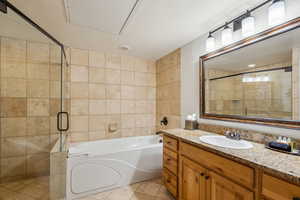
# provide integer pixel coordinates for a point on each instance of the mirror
(258, 82)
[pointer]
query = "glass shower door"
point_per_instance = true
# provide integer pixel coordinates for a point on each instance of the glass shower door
(33, 109)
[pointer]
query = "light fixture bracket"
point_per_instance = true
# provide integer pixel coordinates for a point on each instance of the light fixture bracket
(3, 6)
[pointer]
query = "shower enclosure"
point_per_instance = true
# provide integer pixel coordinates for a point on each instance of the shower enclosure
(34, 99)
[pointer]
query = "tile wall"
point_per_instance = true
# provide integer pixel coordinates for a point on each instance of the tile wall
(168, 89)
(111, 96)
(231, 95)
(107, 95)
(296, 84)
(29, 96)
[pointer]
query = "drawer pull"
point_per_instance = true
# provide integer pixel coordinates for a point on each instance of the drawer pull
(202, 174)
(169, 142)
(168, 181)
(206, 177)
(168, 159)
(296, 198)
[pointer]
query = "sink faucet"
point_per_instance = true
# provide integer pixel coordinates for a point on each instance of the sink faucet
(234, 135)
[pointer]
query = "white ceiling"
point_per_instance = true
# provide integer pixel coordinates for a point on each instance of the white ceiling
(155, 28)
(95, 14)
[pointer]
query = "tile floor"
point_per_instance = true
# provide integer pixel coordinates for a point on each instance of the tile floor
(29, 189)
(38, 189)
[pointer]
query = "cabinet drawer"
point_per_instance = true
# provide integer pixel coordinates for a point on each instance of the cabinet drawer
(170, 153)
(170, 163)
(277, 189)
(170, 143)
(233, 170)
(170, 182)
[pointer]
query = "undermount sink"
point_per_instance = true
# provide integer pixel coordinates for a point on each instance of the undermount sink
(222, 141)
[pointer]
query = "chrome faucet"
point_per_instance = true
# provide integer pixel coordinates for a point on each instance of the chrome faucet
(234, 135)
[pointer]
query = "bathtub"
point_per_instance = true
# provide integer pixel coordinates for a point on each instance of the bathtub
(102, 165)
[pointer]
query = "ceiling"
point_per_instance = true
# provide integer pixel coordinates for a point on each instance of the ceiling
(268, 52)
(151, 28)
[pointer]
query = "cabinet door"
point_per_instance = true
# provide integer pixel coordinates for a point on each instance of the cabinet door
(192, 180)
(222, 188)
(277, 189)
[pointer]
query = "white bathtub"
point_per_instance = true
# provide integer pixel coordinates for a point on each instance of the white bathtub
(97, 166)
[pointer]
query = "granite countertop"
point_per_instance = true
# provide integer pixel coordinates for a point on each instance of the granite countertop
(282, 165)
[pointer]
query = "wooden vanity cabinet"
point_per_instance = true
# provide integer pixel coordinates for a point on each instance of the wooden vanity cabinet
(170, 164)
(223, 188)
(277, 189)
(193, 184)
(199, 183)
(192, 173)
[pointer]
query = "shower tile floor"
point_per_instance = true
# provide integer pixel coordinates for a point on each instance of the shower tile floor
(38, 189)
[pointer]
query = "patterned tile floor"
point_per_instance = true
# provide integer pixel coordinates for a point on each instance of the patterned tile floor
(38, 189)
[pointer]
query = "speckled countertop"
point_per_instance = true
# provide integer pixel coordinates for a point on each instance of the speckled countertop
(282, 165)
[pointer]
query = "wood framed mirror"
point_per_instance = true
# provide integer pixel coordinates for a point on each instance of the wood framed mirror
(255, 80)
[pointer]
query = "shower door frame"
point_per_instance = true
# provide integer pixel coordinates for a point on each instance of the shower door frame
(6, 5)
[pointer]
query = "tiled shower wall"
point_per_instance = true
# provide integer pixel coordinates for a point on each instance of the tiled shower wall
(108, 96)
(168, 89)
(111, 96)
(29, 102)
(296, 84)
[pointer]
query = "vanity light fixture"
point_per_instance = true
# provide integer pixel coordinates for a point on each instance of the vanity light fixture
(210, 43)
(276, 12)
(226, 35)
(248, 25)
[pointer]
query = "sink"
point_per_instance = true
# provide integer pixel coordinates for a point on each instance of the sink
(222, 141)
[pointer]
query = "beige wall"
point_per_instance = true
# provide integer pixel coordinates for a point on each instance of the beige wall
(29, 96)
(111, 96)
(168, 89)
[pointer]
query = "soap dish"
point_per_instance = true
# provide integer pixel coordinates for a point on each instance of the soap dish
(297, 153)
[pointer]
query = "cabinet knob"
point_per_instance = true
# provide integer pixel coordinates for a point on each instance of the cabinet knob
(202, 174)
(206, 177)
(168, 181)
(168, 159)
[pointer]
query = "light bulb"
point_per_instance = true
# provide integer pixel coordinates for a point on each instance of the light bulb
(248, 25)
(227, 35)
(276, 12)
(210, 43)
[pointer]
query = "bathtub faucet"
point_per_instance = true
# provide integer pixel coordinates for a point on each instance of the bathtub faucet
(164, 121)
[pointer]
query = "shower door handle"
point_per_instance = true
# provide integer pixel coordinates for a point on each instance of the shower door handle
(59, 119)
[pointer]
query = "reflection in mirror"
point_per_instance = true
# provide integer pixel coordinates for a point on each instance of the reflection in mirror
(258, 81)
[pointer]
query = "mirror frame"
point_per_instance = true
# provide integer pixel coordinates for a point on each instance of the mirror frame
(272, 32)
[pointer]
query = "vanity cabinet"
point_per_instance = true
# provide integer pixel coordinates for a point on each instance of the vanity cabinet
(277, 189)
(199, 183)
(192, 173)
(223, 188)
(170, 164)
(193, 185)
